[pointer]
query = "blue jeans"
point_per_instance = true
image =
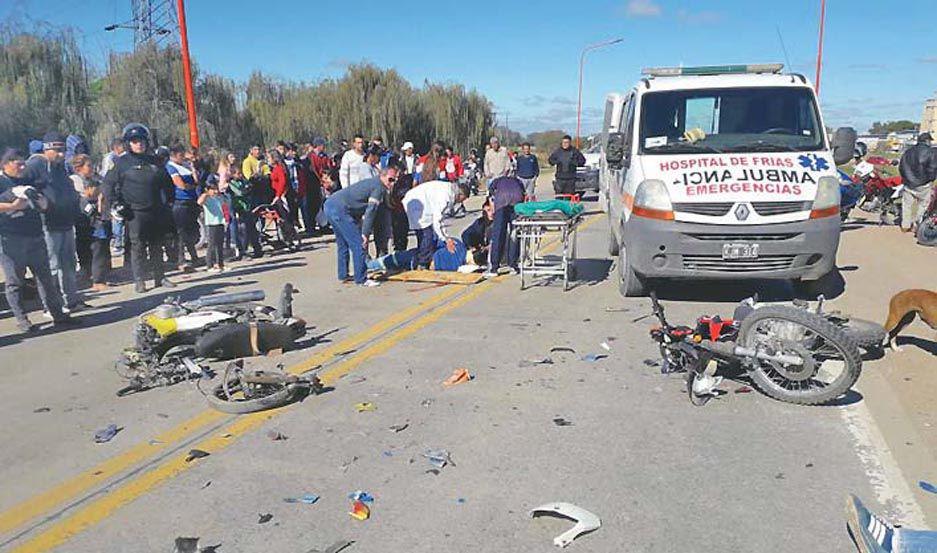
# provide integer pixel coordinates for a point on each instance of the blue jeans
(117, 230)
(397, 261)
(916, 541)
(63, 261)
(501, 242)
(348, 241)
(425, 246)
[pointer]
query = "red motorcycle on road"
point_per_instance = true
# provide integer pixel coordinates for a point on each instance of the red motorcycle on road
(882, 195)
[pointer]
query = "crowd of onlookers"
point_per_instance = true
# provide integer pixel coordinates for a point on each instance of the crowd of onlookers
(64, 218)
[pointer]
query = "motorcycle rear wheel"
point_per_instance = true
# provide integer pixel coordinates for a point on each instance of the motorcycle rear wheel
(813, 338)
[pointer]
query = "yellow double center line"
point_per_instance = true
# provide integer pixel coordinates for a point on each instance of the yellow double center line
(397, 329)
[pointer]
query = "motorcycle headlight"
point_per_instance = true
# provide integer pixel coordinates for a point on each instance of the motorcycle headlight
(652, 200)
(827, 200)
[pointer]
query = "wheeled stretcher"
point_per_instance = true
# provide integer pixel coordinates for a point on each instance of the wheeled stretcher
(532, 223)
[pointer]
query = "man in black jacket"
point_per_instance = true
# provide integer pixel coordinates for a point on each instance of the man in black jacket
(47, 173)
(139, 183)
(566, 159)
(22, 242)
(918, 169)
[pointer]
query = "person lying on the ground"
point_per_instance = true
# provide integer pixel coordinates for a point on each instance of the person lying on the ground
(873, 534)
(477, 237)
(443, 259)
(426, 206)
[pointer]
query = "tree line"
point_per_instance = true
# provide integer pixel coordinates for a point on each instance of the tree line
(46, 82)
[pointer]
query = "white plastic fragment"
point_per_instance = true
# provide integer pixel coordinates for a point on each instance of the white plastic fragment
(585, 521)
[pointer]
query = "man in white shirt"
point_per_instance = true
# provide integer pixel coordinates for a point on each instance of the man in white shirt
(349, 160)
(368, 167)
(497, 161)
(426, 205)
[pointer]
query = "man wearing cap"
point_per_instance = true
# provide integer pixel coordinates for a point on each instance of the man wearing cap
(408, 159)
(497, 161)
(22, 242)
(47, 173)
(918, 168)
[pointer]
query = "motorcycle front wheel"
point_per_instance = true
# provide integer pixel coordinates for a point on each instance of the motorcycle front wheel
(830, 359)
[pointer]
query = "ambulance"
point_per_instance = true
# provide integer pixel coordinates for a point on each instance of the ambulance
(721, 172)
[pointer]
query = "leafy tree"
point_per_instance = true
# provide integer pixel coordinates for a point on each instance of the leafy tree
(885, 127)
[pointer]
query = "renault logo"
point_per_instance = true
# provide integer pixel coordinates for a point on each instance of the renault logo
(742, 212)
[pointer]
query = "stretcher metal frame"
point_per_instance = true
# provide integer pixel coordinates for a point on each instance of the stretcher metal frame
(529, 231)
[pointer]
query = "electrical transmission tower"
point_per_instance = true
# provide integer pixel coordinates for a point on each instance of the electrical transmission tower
(151, 21)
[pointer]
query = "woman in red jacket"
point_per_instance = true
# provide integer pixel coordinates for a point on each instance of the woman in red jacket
(282, 194)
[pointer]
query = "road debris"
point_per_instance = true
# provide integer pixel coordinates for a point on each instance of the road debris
(365, 406)
(196, 454)
(585, 521)
(559, 349)
(308, 499)
(458, 376)
(439, 458)
(426, 402)
(398, 427)
(277, 436)
(605, 346)
(334, 548)
(434, 472)
(362, 496)
(593, 357)
(616, 309)
(186, 545)
(559, 421)
(461, 501)
(264, 518)
(744, 390)
(360, 511)
(652, 362)
(927, 486)
(524, 363)
(42, 410)
(358, 379)
(206, 484)
(344, 466)
(106, 434)
(156, 442)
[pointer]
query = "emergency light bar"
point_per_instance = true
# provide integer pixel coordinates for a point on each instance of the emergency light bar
(712, 70)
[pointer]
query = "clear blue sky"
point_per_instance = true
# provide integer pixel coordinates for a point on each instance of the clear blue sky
(880, 57)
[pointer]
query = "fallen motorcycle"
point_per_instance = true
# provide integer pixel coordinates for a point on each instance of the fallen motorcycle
(789, 353)
(169, 339)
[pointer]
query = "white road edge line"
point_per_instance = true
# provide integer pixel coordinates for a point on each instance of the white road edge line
(885, 476)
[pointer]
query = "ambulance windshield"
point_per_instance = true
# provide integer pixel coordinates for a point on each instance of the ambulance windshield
(763, 119)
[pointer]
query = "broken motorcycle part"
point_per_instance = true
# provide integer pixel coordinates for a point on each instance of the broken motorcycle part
(169, 340)
(196, 454)
(585, 521)
(242, 391)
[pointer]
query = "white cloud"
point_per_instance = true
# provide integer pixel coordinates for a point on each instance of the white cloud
(643, 8)
(701, 17)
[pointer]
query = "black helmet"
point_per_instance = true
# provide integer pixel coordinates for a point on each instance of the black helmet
(136, 131)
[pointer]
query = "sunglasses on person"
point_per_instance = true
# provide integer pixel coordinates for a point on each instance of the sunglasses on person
(391, 179)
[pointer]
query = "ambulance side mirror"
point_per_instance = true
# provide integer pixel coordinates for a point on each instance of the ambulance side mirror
(615, 150)
(844, 145)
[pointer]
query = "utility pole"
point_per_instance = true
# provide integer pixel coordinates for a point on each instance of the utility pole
(820, 46)
(187, 76)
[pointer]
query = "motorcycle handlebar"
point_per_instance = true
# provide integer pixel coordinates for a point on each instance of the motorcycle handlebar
(225, 299)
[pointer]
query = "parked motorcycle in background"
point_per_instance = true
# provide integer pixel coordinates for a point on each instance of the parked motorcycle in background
(881, 195)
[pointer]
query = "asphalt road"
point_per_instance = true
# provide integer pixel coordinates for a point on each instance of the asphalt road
(745, 473)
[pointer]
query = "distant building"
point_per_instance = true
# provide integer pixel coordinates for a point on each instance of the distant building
(929, 119)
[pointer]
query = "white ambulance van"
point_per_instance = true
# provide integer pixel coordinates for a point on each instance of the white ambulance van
(721, 172)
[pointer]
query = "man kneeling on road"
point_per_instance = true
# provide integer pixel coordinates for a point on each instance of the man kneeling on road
(344, 208)
(426, 205)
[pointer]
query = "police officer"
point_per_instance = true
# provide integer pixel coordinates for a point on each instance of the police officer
(138, 186)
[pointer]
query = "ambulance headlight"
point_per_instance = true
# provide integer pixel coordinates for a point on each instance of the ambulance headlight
(652, 200)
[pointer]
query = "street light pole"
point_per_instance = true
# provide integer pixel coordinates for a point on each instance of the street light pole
(582, 61)
(187, 76)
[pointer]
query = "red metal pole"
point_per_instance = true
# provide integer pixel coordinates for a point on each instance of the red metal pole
(187, 75)
(582, 60)
(820, 45)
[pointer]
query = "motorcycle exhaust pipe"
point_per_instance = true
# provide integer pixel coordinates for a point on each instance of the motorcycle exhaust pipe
(226, 299)
(758, 354)
(731, 349)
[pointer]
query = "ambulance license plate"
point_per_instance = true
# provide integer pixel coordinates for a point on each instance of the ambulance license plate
(736, 250)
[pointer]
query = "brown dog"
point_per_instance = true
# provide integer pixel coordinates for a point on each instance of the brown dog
(904, 306)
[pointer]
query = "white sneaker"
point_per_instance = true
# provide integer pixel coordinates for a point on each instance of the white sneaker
(489, 274)
(47, 315)
(213, 270)
(370, 283)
